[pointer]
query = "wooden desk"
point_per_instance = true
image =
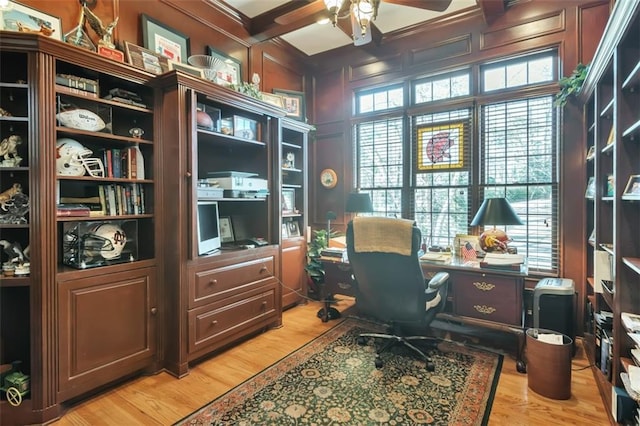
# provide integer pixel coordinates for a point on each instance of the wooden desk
(484, 297)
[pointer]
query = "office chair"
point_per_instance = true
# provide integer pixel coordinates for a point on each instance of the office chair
(390, 286)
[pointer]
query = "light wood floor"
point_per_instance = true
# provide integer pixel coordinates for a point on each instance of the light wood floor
(162, 399)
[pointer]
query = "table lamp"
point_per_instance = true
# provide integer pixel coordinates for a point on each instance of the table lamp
(359, 203)
(495, 211)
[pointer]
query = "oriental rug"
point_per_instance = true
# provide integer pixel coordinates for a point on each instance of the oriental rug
(333, 380)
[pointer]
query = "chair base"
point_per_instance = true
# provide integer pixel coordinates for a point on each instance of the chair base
(393, 340)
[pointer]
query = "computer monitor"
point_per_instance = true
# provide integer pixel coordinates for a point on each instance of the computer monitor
(208, 227)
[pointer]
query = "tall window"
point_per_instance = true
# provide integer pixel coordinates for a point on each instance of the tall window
(422, 154)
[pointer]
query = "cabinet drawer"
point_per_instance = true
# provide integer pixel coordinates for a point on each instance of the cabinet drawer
(220, 323)
(489, 297)
(211, 284)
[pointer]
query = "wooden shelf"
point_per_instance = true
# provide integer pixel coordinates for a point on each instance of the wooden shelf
(633, 263)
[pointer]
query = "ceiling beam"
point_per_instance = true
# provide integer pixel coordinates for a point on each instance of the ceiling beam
(286, 18)
(491, 9)
(435, 5)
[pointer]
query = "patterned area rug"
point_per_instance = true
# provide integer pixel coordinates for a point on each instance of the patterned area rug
(333, 380)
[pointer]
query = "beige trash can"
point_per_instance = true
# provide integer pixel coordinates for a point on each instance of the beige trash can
(549, 365)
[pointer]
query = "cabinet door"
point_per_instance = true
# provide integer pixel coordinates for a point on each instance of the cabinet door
(106, 328)
(293, 274)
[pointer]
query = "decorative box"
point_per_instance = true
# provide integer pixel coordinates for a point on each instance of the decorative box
(245, 128)
(100, 243)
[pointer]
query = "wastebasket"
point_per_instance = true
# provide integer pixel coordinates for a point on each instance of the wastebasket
(549, 365)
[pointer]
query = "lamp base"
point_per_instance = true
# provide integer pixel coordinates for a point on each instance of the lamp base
(326, 314)
(494, 241)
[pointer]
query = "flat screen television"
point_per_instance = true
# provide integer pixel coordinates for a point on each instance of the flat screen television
(208, 227)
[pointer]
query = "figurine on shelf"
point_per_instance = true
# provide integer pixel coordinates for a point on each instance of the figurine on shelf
(14, 205)
(5, 113)
(9, 150)
(104, 31)
(18, 264)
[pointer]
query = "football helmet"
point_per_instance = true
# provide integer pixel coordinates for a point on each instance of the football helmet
(74, 159)
(105, 239)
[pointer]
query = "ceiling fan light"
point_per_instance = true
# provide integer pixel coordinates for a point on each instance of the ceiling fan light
(362, 11)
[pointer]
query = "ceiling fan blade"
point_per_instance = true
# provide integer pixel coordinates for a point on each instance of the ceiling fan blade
(435, 5)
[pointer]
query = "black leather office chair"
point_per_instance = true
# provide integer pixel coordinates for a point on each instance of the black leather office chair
(390, 286)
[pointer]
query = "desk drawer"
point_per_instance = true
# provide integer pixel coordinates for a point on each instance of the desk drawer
(489, 297)
(211, 284)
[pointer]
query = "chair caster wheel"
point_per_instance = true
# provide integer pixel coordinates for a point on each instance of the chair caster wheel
(431, 366)
(521, 367)
(361, 341)
(378, 363)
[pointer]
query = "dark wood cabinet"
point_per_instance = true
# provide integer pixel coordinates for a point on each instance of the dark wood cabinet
(107, 328)
(611, 99)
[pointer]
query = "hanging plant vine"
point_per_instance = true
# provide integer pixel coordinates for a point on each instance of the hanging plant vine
(571, 85)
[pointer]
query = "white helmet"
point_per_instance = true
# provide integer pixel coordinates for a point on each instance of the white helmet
(105, 239)
(73, 159)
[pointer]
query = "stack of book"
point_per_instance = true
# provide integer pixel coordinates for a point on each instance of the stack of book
(631, 377)
(80, 207)
(77, 85)
(603, 341)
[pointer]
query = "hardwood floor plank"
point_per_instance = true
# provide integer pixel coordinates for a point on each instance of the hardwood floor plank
(162, 399)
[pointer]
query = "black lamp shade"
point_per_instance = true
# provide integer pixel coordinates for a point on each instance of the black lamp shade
(359, 203)
(496, 211)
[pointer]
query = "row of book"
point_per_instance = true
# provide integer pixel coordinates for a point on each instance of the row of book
(123, 162)
(113, 200)
(631, 377)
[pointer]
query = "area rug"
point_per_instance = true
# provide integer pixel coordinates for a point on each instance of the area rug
(333, 380)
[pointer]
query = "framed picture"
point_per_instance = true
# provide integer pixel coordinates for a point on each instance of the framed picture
(591, 152)
(275, 100)
(226, 230)
(288, 200)
(227, 68)
(245, 128)
(632, 191)
(590, 192)
(187, 69)
(441, 146)
(293, 103)
(612, 136)
(145, 59)
(164, 40)
(293, 230)
(285, 230)
(18, 17)
(460, 244)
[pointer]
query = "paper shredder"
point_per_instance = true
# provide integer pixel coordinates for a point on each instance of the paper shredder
(553, 305)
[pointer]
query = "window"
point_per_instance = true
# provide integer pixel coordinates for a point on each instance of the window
(436, 164)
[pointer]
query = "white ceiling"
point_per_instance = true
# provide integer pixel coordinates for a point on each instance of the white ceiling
(317, 38)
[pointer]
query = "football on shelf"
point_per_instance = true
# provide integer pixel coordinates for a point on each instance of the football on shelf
(81, 119)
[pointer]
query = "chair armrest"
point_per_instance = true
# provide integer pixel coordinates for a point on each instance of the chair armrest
(438, 280)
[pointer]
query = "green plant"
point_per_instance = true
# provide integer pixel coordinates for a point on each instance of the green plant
(248, 89)
(570, 86)
(314, 267)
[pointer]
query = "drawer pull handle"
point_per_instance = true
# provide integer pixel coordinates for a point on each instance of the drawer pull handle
(214, 322)
(263, 270)
(213, 282)
(484, 309)
(154, 311)
(263, 305)
(484, 286)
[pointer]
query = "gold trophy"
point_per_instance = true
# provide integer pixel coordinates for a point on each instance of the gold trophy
(106, 47)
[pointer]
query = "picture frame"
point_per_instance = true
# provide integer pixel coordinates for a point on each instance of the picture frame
(228, 69)
(591, 153)
(185, 68)
(272, 99)
(461, 240)
(632, 190)
(145, 59)
(288, 200)
(164, 40)
(226, 230)
(590, 192)
(293, 103)
(245, 128)
(285, 230)
(441, 146)
(293, 230)
(16, 16)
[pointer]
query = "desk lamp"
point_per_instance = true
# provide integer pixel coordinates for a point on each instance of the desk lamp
(359, 203)
(495, 211)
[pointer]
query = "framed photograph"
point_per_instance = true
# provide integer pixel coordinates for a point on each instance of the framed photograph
(460, 244)
(611, 185)
(18, 17)
(245, 128)
(164, 40)
(590, 192)
(632, 191)
(226, 230)
(228, 69)
(591, 152)
(145, 59)
(293, 103)
(293, 230)
(441, 146)
(288, 200)
(187, 69)
(285, 230)
(275, 100)
(612, 136)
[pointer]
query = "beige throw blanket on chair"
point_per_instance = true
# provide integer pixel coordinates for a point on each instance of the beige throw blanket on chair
(382, 234)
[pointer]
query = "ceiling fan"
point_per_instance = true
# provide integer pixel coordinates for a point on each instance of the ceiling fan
(360, 12)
